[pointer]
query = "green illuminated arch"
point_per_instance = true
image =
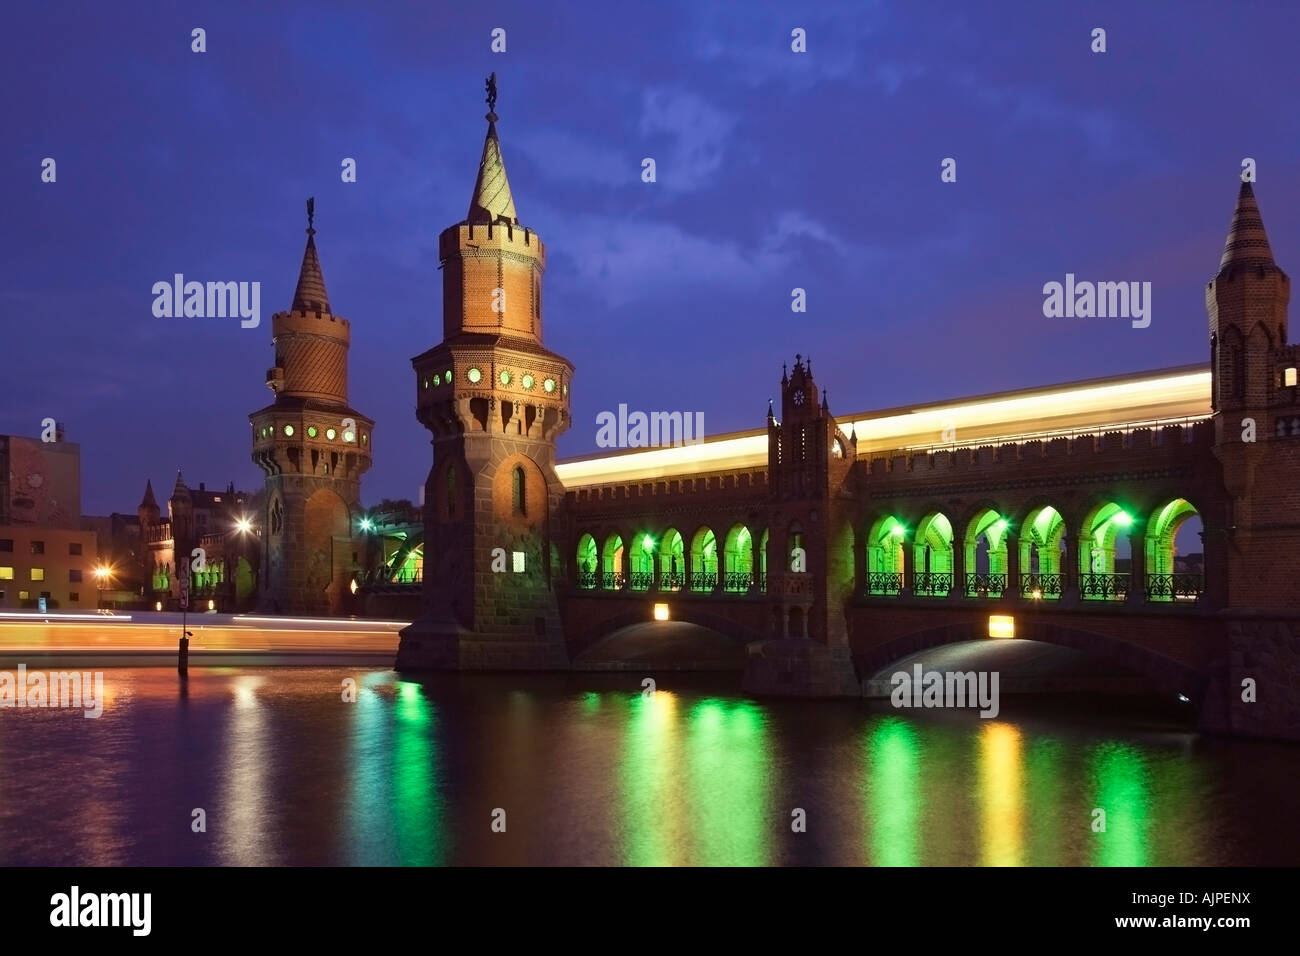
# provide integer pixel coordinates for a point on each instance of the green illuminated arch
(1099, 533)
(985, 549)
(762, 560)
(704, 560)
(932, 556)
(885, 555)
(587, 562)
(738, 559)
(641, 559)
(612, 563)
(672, 561)
(1158, 548)
(1041, 535)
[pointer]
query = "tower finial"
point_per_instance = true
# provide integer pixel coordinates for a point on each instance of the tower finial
(311, 216)
(492, 97)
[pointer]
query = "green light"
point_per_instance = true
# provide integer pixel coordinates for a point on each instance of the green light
(447, 378)
(648, 543)
(1123, 519)
(474, 375)
(505, 377)
(288, 430)
(366, 524)
(311, 431)
(549, 384)
(527, 381)
(437, 380)
(898, 531)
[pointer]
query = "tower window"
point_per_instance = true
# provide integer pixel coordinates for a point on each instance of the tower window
(277, 517)
(1289, 377)
(517, 491)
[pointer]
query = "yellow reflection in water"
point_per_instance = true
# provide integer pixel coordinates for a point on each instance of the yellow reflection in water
(245, 817)
(893, 792)
(1001, 795)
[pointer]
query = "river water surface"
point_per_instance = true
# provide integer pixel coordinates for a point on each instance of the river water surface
(585, 769)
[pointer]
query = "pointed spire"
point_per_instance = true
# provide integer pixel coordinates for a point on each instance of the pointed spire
(771, 415)
(310, 295)
(180, 488)
(492, 201)
(149, 501)
(824, 406)
(1247, 243)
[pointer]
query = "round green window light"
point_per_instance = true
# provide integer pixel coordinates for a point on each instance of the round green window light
(505, 377)
(288, 430)
(311, 431)
(549, 384)
(526, 381)
(447, 377)
(330, 433)
(473, 375)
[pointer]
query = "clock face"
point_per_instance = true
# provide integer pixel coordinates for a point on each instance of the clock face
(798, 398)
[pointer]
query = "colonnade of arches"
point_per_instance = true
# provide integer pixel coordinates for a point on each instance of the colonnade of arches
(669, 560)
(1036, 555)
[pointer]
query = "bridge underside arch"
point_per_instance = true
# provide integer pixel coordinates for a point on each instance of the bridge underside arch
(692, 640)
(1166, 676)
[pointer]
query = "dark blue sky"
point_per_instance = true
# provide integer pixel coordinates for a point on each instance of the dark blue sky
(775, 170)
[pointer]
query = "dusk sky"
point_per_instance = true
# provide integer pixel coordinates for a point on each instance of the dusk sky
(776, 170)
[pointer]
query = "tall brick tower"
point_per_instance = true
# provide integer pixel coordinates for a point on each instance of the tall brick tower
(1257, 419)
(313, 448)
(810, 556)
(495, 400)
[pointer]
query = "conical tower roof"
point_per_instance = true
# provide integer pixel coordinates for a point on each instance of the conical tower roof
(149, 501)
(310, 295)
(492, 200)
(180, 490)
(1247, 244)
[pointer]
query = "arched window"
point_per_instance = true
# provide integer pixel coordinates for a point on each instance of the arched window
(517, 491)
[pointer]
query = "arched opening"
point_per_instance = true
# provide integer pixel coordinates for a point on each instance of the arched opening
(738, 557)
(518, 497)
(672, 561)
(586, 562)
(1175, 558)
(985, 550)
(1042, 538)
(932, 556)
(641, 559)
(612, 577)
(1104, 553)
(704, 561)
(761, 584)
(885, 556)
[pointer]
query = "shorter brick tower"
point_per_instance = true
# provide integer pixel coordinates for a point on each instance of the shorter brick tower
(313, 448)
(810, 563)
(495, 400)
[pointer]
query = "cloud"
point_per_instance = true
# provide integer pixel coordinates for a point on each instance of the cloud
(697, 132)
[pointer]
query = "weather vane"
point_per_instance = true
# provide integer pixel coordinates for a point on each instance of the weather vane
(311, 213)
(492, 93)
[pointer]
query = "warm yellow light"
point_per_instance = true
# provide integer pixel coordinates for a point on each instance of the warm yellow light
(102, 572)
(1290, 376)
(1002, 625)
(157, 605)
(1037, 593)
(661, 612)
(212, 605)
(243, 526)
(353, 586)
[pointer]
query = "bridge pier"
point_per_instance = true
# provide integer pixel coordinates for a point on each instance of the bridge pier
(799, 667)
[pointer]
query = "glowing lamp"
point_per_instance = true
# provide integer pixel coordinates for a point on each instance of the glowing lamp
(1002, 625)
(157, 605)
(1123, 519)
(897, 531)
(212, 605)
(661, 612)
(243, 526)
(366, 524)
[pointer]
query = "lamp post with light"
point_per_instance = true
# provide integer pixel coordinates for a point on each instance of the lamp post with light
(243, 525)
(103, 573)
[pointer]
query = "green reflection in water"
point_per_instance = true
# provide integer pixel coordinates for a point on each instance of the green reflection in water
(649, 822)
(590, 702)
(415, 773)
(1120, 775)
(729, 783)
(893, 791)
(1044, 803)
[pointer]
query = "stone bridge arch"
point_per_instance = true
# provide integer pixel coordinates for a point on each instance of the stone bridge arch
(1168, 675)
(618, 619)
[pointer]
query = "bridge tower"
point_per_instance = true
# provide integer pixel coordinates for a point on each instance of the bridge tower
(1256, 412)
(313, 448)
(495, 400)
(811, 544)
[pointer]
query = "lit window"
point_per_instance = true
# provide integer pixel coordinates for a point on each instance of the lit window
(474, 375)
(526, 381)
(364, 438)
(505, 377)
(437, 380)
(566, 389)
(447, 377)
(38, 574)
(1289, 376)
(426, 383)
(288, 430)
(311, 433)
(549, 385)
(6, 574)
(24, 595)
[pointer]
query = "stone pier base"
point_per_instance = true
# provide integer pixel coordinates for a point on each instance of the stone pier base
(439, 644)
(799, 667)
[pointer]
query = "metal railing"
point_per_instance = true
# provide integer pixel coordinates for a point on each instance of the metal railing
(985, 585)
(932, 583)
(641, 580)
(587, 580)
(671, 580)
(704, 580)
(1103, 587)
(884, 582)
(738, 581)
(1180, 586)
(612, 580)
(1042, 586)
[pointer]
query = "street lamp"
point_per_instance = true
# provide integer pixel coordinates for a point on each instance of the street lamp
(102, 575)
(243, 525)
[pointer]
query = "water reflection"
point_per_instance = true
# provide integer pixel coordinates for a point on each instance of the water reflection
(592, 771)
